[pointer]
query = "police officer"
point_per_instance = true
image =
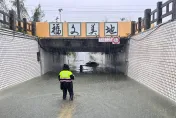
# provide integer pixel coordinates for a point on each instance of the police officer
(66, 77)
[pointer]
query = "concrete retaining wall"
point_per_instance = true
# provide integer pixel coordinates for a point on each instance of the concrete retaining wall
(51, 61)
(18, 58)
(152, 59)
(117, 62)
(121, 65)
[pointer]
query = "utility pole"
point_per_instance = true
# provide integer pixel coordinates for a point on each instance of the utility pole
(19, 15)
(60, 10)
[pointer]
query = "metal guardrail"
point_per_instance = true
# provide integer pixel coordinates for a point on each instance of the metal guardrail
(155, 16)
(16, 24)
(5, 18)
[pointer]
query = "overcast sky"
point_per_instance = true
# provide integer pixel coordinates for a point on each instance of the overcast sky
(92, 10)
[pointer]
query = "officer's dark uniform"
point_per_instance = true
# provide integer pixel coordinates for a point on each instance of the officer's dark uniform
(66, 77)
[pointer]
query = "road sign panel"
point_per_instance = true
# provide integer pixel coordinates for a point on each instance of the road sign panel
(113, 40)
(56, 29)
(108, 39)
(111, 29)
(116, 40)
(74, 29)
(92, 29)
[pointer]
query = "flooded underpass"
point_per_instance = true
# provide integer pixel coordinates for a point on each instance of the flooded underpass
(96, 96)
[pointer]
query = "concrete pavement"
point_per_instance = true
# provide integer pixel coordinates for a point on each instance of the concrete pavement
(96, 96)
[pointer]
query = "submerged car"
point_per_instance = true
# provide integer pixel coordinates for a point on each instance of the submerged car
(92, 64)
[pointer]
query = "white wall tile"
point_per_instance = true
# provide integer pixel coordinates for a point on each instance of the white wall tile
(152, 60)
(18, 60)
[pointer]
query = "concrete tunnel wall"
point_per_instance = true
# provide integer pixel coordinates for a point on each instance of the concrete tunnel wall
(51, 62)
(117, 62)
(18, 58)
(152, 59)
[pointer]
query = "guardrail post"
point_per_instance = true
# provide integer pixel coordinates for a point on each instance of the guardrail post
(139, 24)
(147, 19)
(19, 26)
(133, 28)
(4, 18)
(12, 20)
(25, 25)
(174, 9)
(136, 27)
(159, 12)
(81, 68)
(34, 28)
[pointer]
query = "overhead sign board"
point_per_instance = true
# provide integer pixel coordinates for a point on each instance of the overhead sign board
(56, 29)
(74, 29)
(92, 29)
(111, 29)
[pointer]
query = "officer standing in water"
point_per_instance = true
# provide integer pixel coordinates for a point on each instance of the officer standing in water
(66, 77)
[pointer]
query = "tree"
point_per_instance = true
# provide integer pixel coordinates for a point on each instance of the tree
(3, 5)
(14, 3)
(22, 7)
(38, 14)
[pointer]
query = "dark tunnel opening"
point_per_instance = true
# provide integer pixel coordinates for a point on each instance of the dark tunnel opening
(76, 52)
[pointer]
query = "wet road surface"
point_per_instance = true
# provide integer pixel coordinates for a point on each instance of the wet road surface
(96, 96)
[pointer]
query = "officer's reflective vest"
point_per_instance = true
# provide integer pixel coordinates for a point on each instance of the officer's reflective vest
(65, 76)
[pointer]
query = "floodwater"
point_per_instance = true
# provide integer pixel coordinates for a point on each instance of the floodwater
(83, 57)
(96, 96)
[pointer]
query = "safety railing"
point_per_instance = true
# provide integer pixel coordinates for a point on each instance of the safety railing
(4, 18)
(10, 21)
(162, 11)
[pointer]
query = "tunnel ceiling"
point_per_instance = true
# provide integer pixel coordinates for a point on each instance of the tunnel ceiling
(81, 45)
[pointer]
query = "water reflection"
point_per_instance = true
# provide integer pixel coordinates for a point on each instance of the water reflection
(84, 57)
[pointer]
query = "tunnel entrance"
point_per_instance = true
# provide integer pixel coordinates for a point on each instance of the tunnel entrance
(85, 61)
(78, 52)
